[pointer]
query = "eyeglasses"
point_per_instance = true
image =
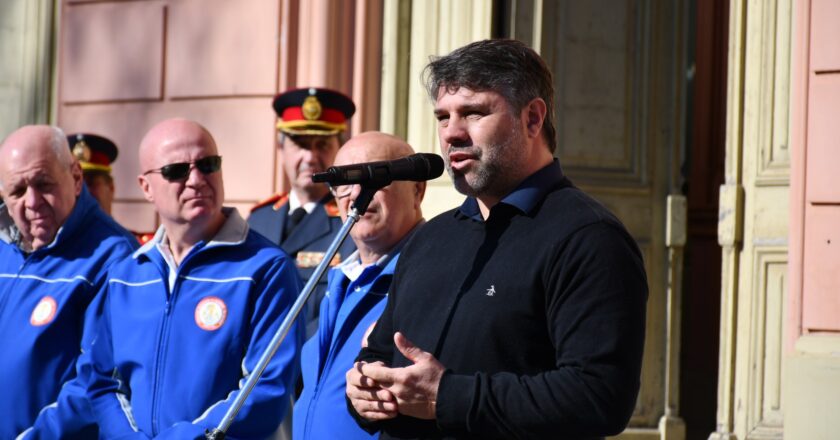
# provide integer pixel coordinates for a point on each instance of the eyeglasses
(341, 191)
(181, 170)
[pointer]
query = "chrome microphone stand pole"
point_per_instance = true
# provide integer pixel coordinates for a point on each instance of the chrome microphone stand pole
(358, 209)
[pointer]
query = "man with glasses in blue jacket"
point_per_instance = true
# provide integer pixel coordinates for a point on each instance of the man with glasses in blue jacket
(357, 290)
(56, 245)
(182, 324)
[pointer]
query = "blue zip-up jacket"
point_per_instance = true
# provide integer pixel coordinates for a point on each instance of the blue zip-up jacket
(349, 308)
(175, 344)
(43, 299)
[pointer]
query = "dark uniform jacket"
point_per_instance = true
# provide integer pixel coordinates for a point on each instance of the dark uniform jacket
(307, 243)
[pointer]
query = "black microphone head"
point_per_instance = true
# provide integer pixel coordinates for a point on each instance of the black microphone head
(432, 165)
(417, 167)
(322, 177)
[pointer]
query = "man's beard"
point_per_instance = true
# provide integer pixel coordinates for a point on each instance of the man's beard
(495, 167)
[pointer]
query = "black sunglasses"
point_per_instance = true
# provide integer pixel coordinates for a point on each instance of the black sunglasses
(180, 170)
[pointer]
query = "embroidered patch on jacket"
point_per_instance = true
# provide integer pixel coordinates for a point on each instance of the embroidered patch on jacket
(313, 259)
(44, 312)
(210, 313)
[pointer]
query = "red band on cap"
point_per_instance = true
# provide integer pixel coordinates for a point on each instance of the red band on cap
(327, 115)
(99, 158)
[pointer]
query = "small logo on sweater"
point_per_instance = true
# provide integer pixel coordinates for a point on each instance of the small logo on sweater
(210, 313)
(492, 290)
(44, 312)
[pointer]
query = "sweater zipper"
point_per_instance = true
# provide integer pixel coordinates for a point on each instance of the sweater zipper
(321, 375)
(4, 296)
(164, 337)
(315, 395)
(161, 353)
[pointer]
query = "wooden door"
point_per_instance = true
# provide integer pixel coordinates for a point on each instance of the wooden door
(620, 77)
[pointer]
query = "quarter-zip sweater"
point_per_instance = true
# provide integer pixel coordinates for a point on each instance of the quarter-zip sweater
(43, 299)
(175, 344)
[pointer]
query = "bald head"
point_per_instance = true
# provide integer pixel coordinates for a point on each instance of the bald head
(372, 146)
(45, 140)
(166, 134)
(395, 209)
(39, 180)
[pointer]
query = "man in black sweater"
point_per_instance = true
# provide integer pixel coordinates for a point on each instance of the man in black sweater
(521, 313)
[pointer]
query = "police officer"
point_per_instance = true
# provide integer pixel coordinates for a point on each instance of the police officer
(95, 155)
(305, 220)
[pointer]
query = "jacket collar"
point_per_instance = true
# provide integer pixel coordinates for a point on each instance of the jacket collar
(313, 227)
(10, 233)
(234, 231)
(352, 267)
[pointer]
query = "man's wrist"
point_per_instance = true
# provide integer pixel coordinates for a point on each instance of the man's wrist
(454, 394)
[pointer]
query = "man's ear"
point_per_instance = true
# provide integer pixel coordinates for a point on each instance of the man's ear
(281, 139)
(419, 192)
(534, 115)
(146, 187)
(78, 177)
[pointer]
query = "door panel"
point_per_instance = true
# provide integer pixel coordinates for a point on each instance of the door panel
(619, 124)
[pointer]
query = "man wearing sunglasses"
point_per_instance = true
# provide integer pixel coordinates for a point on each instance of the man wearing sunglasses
(56, 246)
(305, 220)
(184, 321)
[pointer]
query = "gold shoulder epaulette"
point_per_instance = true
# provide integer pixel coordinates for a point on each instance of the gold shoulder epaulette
(331, 208)
(143, 237)
(277, 200)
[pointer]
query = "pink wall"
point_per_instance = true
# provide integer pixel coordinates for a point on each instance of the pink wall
(123, 66)
(814, 300)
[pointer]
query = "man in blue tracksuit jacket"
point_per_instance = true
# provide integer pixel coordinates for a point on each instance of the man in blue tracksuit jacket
(357, 291)
(183, 323)
(55, 246)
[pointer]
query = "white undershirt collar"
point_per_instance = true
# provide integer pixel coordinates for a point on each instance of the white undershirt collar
(294, 203)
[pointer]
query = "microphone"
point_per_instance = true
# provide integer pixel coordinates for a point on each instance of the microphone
(417, 167)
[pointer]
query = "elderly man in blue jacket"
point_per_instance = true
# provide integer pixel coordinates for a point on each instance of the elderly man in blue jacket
(183, 322)
(357, 290)
(56, 245)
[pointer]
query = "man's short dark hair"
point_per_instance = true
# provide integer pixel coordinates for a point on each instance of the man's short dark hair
(507, 67)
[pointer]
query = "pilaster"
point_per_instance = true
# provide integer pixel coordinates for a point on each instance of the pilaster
(753, 226)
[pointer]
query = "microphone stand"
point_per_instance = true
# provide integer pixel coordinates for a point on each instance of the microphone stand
(358, 209)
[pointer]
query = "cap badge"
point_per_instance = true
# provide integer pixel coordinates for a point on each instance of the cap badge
(82, 151)
(311, 108)
(210, 313)
(44, 312)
